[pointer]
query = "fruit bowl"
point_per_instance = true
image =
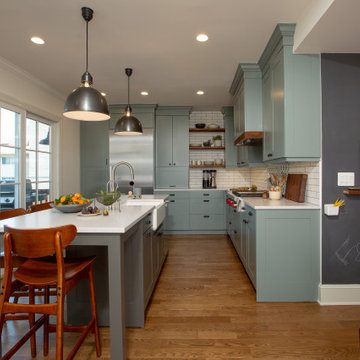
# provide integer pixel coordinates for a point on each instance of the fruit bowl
(71, 208)
(107, 198)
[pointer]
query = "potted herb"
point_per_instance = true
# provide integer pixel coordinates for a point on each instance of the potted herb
(217, 140)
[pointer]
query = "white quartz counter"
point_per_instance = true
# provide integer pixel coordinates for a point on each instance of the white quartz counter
(115, 222)
(193, 189)
(259, 203)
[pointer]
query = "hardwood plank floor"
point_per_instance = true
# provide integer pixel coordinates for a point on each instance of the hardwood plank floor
(204, 308)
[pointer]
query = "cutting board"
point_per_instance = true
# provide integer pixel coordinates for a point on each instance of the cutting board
(295, 187)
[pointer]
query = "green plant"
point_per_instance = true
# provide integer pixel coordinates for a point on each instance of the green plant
(217, 137)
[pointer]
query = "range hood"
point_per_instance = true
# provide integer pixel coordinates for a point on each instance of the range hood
(249, 138)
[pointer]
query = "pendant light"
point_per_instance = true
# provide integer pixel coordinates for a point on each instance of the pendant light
(128, 124)
(85, 102)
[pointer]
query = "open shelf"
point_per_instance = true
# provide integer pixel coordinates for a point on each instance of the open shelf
(351, 192)
(208, 166)
(207, 130)
(207, 147)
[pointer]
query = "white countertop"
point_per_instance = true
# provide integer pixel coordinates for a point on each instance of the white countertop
(193, 189)
(259, 203)
(115, 222)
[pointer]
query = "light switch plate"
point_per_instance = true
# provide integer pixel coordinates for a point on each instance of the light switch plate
(346, 179)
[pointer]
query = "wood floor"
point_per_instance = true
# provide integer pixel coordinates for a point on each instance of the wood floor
(204, 308)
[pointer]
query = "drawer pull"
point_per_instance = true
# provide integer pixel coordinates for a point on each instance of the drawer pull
(171, 194)
(206, 194)
(172, 185)
(270, 155)
(245, 222)
(206, 200)
(172, 200)
(206, 216)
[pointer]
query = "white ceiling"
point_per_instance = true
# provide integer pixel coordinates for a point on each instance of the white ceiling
(157, 39)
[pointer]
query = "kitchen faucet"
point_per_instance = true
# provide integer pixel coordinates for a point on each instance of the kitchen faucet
(114, 172)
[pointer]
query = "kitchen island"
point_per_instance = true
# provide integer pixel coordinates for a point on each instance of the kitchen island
(112, 232)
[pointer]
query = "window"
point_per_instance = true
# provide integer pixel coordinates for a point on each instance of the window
(26, 159)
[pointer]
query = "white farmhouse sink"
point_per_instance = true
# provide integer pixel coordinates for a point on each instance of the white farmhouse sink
(158, 214)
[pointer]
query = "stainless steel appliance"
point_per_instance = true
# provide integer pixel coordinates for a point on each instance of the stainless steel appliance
(139, 152)
(234, 198)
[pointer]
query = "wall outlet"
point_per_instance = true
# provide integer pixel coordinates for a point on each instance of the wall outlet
(346, 178)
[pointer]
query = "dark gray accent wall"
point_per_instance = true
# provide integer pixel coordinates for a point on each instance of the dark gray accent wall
(340, 152)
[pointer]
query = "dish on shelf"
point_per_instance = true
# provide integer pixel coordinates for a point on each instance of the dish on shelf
(218, 161)
(207, 143)
(213, 126)
(208, 163)
(195, 145)
(200, 126)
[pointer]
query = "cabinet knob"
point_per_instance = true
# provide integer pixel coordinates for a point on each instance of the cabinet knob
(245, 221)
(169, 164)
(229, 222)
(235, 232)
(174, 164)
(270, 155)
(250, 213)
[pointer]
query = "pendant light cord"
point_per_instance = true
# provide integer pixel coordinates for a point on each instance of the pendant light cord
(87, 44)
(128, 90)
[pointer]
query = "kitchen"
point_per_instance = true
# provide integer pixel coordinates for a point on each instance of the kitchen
(338, 285)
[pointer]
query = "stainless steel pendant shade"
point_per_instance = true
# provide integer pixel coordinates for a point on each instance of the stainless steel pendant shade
(128, 124)
(85, 102)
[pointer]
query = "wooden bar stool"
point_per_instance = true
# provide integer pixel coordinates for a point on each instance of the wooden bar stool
(39, 207)
(36, 272)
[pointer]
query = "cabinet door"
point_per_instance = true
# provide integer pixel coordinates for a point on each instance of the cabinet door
(148, 266)
(230, 148)
(172, 177)
(251, 244)
(178, 215)
(241, 110)
(155, 252)
(236, 117)
(180, 140)
(243, 241)
(164, 144)
(268, 141)
(277, 66)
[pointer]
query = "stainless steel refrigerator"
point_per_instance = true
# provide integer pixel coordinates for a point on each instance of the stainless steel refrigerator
(138, 150)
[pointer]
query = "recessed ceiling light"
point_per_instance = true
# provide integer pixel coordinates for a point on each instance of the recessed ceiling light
(103, 94)
(202, 37)
(200, 92)
(144, 93)
(37, 40)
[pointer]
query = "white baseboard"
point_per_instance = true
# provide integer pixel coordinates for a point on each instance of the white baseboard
(339, 294)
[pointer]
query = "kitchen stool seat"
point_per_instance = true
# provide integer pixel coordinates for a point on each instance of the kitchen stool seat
(44, 272)
(33, 246)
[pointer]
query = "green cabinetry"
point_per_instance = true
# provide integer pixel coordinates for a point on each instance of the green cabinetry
(291, 100)
(230, 148)
(280, 250)
(246, 89)
(195, 212)
(172, 147)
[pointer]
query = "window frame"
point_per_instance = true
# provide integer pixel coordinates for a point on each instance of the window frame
(24, 115)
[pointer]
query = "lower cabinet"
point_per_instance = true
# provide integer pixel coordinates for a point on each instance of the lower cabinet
(195, 211)
(280, 251)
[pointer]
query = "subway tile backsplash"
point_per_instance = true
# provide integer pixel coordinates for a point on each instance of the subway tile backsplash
(227, 178)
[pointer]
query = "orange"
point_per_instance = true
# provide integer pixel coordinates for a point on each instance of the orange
(74, 198)
(63, 199)
(77, 195)
(81, 201)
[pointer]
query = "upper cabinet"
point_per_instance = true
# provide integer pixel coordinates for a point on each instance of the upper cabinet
(172, 147)
(247, 102)
(291, 100)
(230, 148)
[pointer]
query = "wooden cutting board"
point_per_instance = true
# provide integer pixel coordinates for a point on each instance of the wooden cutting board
(295, 187)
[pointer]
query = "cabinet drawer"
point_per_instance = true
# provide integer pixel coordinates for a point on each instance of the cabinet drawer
(207, 206)
(177, 215)
(207, 222)
(175, 194)
(206, 194)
